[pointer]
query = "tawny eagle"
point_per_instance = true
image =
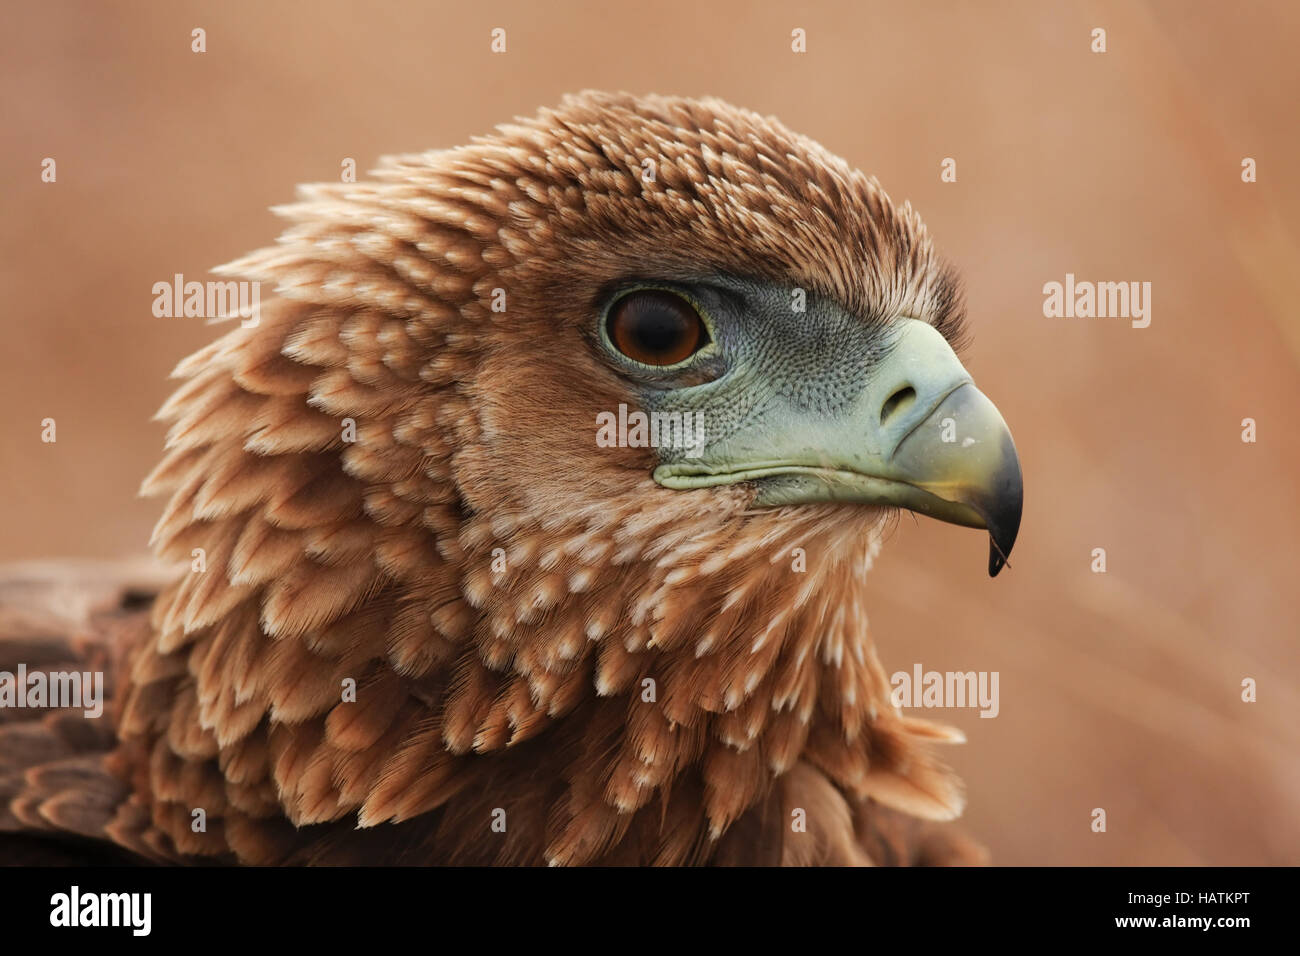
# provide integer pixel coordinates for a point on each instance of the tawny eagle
(423, 613)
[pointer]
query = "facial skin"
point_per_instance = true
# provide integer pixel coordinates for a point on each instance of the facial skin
(813, 404)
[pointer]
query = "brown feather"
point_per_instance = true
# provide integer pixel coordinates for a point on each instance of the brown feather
(394, 482)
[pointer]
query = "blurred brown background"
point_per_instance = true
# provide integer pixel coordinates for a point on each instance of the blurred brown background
(1120, 690)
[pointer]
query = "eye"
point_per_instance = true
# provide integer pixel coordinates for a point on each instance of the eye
(656, 327)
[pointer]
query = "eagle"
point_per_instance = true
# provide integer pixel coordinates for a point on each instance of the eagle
(528, 524)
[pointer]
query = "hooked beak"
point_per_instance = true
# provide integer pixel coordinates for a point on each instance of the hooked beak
(920, 436)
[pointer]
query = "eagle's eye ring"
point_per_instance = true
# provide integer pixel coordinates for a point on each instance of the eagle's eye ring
(655, 327)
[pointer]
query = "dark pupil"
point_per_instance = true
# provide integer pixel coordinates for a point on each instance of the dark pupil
(657, 324)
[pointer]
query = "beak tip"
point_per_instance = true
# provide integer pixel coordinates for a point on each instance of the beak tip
(996, 559)
(1003, 515)
(1000, 550)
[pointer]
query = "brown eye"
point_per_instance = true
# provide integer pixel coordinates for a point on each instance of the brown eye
(656, 327)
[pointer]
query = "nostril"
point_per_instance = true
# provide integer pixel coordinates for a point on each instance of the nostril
(897, 402)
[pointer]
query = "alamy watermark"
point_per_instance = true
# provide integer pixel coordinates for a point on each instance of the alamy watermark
(54, 689)
(75, 908)
(1103, 300)
(651, 430)
(921, 688)
(208, 300)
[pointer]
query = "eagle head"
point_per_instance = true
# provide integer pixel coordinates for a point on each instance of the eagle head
(570, 449)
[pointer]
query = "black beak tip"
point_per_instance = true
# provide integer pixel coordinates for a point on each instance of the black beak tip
(997, 560)
(1001, 541)
(1002, 514)
(1002, 509)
